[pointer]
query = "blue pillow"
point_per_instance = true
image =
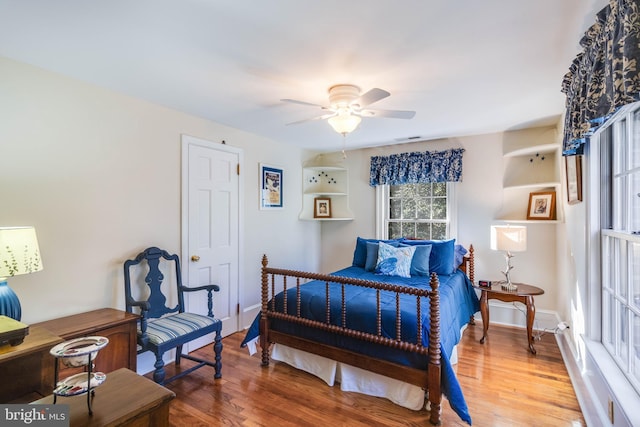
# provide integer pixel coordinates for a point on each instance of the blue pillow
(360, 252)
(394, 261)
(420, 261)
(458, 256)
(372, 256)
(441, 258)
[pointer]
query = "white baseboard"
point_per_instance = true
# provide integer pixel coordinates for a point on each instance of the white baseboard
(591, 411)
(598, 384)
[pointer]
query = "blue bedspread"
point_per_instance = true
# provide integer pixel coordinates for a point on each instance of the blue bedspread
(458, 302)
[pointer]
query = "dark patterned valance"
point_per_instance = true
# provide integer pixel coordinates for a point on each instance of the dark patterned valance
(605, 75)
(417, 167)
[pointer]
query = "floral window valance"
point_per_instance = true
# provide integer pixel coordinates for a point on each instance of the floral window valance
(605, 75)
(417, 167)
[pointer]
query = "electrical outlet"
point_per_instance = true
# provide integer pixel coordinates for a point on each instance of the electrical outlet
(562, 326)
(610, 407)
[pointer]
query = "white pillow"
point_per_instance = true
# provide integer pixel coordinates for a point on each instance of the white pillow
(394, 261)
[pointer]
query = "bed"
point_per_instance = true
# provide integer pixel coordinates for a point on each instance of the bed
(402, 327)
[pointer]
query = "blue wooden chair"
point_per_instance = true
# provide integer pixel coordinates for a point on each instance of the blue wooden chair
(162, 328)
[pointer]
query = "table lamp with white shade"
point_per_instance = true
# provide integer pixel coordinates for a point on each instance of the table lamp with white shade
(19, 254)
(508, 238)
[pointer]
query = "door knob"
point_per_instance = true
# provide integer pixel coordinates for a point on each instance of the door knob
(195, 258)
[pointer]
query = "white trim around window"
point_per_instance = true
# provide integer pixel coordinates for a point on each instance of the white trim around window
(382, 206)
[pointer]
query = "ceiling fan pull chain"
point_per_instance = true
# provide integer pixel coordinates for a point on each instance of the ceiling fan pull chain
(344, 145)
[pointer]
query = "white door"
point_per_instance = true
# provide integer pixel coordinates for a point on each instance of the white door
(211, 229)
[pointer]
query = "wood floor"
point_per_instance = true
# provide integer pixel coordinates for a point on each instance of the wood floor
(503, 383)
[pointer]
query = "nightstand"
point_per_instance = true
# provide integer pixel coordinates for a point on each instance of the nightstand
(523, 294)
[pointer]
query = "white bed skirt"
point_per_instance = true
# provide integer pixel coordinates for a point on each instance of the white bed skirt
(354, 379)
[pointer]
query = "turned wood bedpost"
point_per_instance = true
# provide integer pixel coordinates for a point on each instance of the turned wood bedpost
(471, 275)
(264, 320)
(435, 393)
(471, 272)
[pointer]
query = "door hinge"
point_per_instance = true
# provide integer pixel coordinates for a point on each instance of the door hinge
(238, 168)
(238, 309)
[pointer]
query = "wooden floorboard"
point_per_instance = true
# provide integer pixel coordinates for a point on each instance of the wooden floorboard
(503, 383)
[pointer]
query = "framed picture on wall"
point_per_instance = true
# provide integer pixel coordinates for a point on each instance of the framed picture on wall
(573, 167)
(322, 207)
(271, 179)
(542, 205)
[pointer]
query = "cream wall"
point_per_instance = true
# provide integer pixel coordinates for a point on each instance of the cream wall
(99, 176)
(479, 200)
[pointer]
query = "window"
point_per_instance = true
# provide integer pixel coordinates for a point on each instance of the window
(619, 207)
(422, 211)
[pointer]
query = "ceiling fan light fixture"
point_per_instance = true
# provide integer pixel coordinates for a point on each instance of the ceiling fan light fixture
(347, 106)
(344, 123)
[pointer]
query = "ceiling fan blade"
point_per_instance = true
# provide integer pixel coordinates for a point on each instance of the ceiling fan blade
(392, 114)
(322, 117)
(374, 95)
(295, 101)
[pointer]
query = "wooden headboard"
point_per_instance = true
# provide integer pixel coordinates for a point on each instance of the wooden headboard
(467, 265)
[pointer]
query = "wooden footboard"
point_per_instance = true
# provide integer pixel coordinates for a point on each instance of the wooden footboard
(428, 379)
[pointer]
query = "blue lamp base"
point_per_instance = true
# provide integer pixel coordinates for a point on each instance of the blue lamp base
(9, 302)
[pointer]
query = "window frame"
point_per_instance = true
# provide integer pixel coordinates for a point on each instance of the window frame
(608, 228)
(382, 210)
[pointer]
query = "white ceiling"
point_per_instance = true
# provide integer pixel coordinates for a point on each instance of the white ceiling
(466, 67)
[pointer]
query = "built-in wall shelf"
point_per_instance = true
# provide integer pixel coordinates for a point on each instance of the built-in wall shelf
(531, 164)
(326, 193)
(536, 185)
(530, 221)
(327, 179)
(327, 219)
(533, 150)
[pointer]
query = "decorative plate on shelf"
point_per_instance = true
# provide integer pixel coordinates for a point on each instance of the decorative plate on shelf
(78, 384)
(76, 352)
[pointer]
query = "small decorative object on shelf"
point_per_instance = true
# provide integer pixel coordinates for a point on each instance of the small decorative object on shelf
(76, 353)
(322, 207)
(78, 384)
(79, 351)
(542, 205)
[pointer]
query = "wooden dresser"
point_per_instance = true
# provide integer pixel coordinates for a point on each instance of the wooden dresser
(27, 370)
(116, 325)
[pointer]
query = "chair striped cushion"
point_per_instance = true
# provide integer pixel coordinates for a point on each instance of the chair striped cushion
(168, 328)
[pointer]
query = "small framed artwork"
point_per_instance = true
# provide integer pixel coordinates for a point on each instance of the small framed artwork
(321, 207)
(542, 205)
(573, 167)
(271, 179)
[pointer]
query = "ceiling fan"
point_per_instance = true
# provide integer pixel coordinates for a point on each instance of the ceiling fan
(347, 107)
